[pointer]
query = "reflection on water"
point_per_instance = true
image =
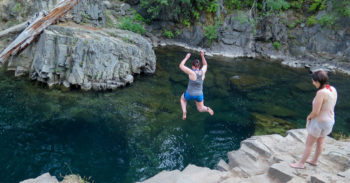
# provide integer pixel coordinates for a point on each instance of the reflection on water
(135, 132)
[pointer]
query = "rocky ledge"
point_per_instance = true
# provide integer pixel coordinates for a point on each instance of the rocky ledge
(263, 159)
(47, 178)
(85, 57)
(266, 159)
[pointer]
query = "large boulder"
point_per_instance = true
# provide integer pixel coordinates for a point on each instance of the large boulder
(86, 57)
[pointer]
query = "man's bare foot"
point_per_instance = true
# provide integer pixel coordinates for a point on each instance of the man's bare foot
(297, 165)
(312, 163)
(211, 112)
(184, 116)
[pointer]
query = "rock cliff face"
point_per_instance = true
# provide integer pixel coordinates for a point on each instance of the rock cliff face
(78, 53)
(90, 58)
(266, 159)
(283, 36)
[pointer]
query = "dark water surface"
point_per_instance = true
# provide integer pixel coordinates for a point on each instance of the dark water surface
(133, 133)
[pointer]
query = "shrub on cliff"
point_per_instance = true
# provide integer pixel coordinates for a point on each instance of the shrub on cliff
(238, 4)
(128, 24)
(178, 10)
(317, 5)
(277, 45)
(277, 5)
(311, 21)
(211, 32)
(168, 34)
(327, 20)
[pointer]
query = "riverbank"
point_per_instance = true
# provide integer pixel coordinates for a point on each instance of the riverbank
(263, 159)
(266, 159)
(283, 59)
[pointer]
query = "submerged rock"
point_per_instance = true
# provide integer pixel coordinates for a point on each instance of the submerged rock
(272, 109)
(265, 124)
(248, 82)
(265, 159)
(87, 57)
(304, 86)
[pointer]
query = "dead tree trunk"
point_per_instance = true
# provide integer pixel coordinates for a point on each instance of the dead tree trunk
(42, 21)
(14, 29)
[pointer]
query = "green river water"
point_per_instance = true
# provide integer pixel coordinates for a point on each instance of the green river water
(135, 132)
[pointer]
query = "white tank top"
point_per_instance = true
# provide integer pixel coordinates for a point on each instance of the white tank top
(326, 113)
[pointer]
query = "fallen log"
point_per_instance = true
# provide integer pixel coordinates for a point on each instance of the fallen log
(41, 21)
(13, 29)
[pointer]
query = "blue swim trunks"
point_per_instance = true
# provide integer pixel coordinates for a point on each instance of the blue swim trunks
(198, 98)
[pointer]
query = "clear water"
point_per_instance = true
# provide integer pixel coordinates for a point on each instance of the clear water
(133, 133)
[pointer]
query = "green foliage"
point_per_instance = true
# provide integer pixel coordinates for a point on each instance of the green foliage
(340, 136)
(277, 45)
(238, 4)
(311, 21)
(196, 14)
(186, 22)
(178, 10)
(298, 4)
(139, 18)
(168, 34)
(128, 24)
(10, 23)
(327, 20)
(109, 21)
(294, 24)
(212, 7)
(17, 8)
(242, 18)
(85, 17)
(233, 4)
(177, 33)
(317, 5)
(126, 39)
(277, 5)
(346, 10)
(211, 32)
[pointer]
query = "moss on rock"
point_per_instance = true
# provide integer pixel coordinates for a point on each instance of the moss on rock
(265, 124)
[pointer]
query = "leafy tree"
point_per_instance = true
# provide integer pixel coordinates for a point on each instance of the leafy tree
(178, 10)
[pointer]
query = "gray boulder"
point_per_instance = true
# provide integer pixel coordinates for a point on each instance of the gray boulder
(193, 36)
(44, 178)
(86, 57)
